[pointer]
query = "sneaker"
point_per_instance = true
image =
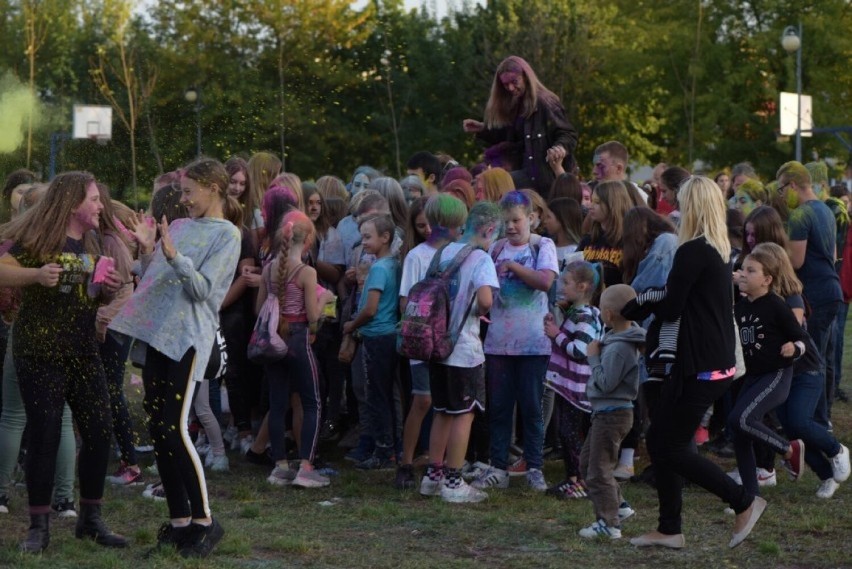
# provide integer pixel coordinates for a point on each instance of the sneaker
(735, 476)
(218, 463)
(492, 478)
(230, 434)
(563, 490)
(517, 468)
(168, 536)
(702, 435)
(475, 471)
(623, 472)
(464, 494)
(4, 504)
(261, 459)
(376, 462)
(310, 479)
(404, 477)
(245, 444)
(125, 476)
(202, 444)
(827, 488)
(796, 463)
(200, 540)
(330, 432)
(535, 480)
(155, 492)
(281, 476)
(152, 470)
(725, 451)
(600, 529)
(64, 508)
(766, 477)
(625, 511)
(840, 465)
(429, 487)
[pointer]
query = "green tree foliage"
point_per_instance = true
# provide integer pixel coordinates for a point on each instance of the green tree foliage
(331, 87)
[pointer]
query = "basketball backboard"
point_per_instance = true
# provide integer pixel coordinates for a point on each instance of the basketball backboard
(93, 122)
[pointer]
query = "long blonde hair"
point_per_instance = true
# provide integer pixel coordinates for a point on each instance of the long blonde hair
(296, 230)
(703, 214)
(776, 263)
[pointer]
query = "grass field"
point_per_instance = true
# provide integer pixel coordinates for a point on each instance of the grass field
(361, 521)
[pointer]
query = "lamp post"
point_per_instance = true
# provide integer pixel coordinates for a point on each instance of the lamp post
(791, 41)
(193, 95)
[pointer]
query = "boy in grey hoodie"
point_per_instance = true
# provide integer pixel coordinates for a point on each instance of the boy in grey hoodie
(611, 390)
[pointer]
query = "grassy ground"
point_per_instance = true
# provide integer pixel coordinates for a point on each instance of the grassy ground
(361, 521)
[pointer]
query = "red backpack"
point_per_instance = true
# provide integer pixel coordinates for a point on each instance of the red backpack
(424, 330)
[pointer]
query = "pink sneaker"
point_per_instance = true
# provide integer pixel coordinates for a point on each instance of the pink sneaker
(125, 476)
(702, 435)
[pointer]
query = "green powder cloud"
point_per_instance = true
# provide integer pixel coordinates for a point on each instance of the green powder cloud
(16, 105)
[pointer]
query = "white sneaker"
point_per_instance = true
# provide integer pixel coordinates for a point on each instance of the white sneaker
(219, 463)
(245, 443)
(735, 476)
(625, 511)
(463, 494)
(623, 472)
(840, 465)
(535, 480)
(766, 477)
(475, 470)
(600, 529)
(203, 450)
(230, 434)
(429, 487)
(310, 479)
(492, 478)
(281, 476)
(827, 488)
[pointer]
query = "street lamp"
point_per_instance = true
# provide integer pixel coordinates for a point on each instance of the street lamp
(193, 95)
(791, 41)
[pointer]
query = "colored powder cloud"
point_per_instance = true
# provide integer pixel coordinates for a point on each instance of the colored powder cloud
(16, 105)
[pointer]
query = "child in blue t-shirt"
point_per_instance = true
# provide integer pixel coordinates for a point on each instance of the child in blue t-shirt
(375, 323)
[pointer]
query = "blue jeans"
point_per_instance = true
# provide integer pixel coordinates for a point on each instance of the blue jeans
(297, 372)
(511, 380)
(839, 329)
(797, 417)
(821, 329)
(379, 368)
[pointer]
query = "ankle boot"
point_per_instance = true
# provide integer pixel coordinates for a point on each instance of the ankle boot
(38, 535)
(91, 526)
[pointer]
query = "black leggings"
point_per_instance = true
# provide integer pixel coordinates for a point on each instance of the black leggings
(46, 384)
(573, 427)
(168, 398)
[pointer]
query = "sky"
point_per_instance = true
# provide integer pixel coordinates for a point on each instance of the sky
(440, 7)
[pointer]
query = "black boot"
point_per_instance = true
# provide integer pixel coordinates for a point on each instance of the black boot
(91, 526)
(38, 535)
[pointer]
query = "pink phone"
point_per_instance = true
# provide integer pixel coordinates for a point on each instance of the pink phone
(102, 269)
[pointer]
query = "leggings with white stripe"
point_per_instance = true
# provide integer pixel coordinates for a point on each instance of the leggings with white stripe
(168, 397)
(758, 395)
(296, 373)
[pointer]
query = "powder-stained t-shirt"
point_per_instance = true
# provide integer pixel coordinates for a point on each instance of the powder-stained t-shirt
(475, 272)
(517, 314)
(58, 322)
(814, 222)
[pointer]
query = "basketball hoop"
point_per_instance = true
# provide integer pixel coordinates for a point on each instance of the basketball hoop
(93, 122)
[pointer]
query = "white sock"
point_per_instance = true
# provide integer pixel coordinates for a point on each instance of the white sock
(626, 457)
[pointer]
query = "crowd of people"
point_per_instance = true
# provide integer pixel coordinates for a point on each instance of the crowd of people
(474, 322)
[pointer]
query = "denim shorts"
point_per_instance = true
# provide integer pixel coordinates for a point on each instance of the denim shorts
(420, 379)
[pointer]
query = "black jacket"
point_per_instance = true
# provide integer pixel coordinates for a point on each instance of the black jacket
(525, 144)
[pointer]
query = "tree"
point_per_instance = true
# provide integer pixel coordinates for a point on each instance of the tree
(138, 81)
